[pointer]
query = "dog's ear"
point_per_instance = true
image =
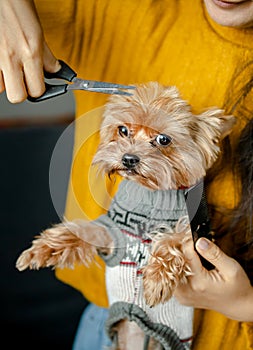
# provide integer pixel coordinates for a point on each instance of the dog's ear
(228, 122)
(213, 120)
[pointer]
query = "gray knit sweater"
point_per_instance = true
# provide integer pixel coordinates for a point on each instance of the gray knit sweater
(134, 213)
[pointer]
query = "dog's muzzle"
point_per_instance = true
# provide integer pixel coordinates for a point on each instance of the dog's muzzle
(130, 160)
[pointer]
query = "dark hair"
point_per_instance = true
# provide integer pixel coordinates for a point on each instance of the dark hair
(242, 218)
(235, 227)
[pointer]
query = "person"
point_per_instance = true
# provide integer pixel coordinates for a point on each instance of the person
(205, 48)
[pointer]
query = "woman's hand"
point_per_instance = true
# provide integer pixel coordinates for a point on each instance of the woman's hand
(225, 289)
(23, 51)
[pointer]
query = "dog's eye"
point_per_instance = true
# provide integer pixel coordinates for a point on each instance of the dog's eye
(163, 140)
(123, 131)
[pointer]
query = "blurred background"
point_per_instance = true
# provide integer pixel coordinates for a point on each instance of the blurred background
(38, 311)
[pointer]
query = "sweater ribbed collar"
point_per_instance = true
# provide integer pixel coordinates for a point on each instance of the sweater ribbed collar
(238, 36)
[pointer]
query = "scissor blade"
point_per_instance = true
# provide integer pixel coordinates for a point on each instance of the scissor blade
(114, 91)
(99, 86)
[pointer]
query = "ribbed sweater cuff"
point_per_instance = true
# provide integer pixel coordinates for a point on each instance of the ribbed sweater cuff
(118, 238)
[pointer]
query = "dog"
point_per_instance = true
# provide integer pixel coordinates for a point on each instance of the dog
(160, 148)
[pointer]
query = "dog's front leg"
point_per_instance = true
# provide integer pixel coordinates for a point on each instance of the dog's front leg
(65, 244)
(166, 268)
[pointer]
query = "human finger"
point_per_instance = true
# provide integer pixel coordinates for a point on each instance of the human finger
(34, 76)
(192, 257)
(34, 71)
(51, 64)
(13, 80)
(211, 252)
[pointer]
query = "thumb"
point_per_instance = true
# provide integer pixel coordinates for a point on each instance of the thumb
(215, 255)
(50, 63)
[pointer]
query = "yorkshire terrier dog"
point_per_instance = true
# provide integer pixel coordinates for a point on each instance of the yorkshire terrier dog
(160, 149)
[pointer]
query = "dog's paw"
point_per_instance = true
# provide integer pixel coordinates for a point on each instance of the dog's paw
(58, 246)
(166, 268)
(39, 255)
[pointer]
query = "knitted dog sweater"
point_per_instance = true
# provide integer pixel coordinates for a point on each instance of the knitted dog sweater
(134, 213)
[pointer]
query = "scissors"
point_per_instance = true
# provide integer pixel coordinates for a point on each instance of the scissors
(68, 74)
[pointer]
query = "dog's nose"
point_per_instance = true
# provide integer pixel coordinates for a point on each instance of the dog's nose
(130, 160)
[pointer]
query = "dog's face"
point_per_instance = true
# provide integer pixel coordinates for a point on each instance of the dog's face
(153, 138)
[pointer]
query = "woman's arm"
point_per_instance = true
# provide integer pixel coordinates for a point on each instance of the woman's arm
(226, 289)
(23, 51)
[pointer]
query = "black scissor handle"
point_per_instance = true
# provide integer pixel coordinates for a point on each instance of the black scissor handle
(199, 218)
(53, 90)
(65, 72)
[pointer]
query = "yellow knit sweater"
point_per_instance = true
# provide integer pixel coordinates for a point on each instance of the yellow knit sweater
(170, 41)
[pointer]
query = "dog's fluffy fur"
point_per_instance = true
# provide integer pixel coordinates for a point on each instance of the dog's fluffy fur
(153, 138)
